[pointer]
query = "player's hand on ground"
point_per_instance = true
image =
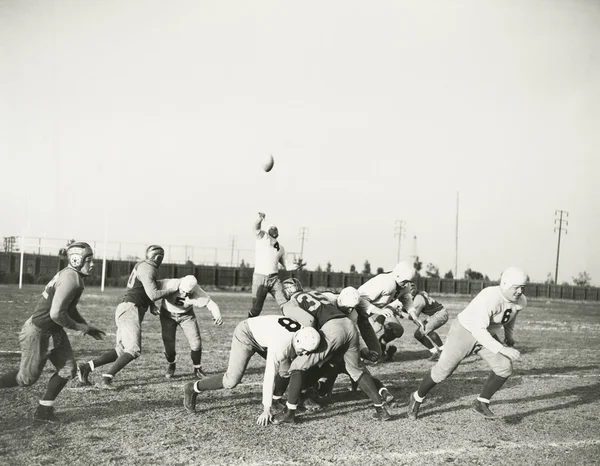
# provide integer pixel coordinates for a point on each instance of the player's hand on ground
(95, 333)
(218, 320)
(510, 353)
(265, 418)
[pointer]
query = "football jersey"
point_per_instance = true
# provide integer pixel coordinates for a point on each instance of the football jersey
(275, 333)
(268, 254)
(62, 293)
(321, 309)
(178, 303)
(382, 290)
(488, 313)
(141, 286)
(426, 304)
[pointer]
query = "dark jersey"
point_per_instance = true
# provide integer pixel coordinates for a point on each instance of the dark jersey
(141, 286)
(316, 305)
(60, 296)
(431, 305)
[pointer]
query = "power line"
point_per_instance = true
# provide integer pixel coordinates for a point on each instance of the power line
(560, 228)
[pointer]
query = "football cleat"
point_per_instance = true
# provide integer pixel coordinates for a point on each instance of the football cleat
(381, 414)
(309, 405)
(386, 395)
(483, 409)
(189, 397)
(289, 417)
(279, 406)
(83, 374)
(435, 356)
(199, 373)
(170, 370)
(413, 407)
(389, 353)
(45, 414)
(106, 383)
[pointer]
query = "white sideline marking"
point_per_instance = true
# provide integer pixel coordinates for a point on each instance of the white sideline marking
(498, 446)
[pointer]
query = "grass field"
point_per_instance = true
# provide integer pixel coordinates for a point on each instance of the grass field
(550, 408)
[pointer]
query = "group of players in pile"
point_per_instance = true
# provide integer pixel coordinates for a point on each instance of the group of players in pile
(316, 337)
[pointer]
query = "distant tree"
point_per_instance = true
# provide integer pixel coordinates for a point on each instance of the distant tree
(243, 264)
(328, 267)
(432, 271)
(583, 279)
(11, 244)
(189, 263)
(299, 263)
(449, 274)
(474, 275)
(352, 268)
(379, 270)
(549, 279)
(319, 268)
(367, 268)
(418, 265)
(63, 251)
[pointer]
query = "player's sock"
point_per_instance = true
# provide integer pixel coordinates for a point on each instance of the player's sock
(55, 385)
(106, 358)
(119, 364)
(9, 379)
(214, 382)
(367, 385)
(436, 339)
(426, 385)
(421, 339)
(196, 357)
(492, 385)
(295, 387)
(281, 385)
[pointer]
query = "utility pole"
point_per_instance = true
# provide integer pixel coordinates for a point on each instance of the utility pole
(232, 249)
(456, 242)
(558, 225)
(399, 231)
(303, 237)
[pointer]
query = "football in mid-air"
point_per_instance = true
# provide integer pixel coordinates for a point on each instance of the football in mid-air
(268, 163)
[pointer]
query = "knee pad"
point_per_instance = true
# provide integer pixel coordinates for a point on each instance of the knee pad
(395, 329)
(504, 369)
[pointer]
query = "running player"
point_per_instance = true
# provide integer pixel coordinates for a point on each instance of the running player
(141, 293)
(475, 330)
(55, 311)
(177, 310)
(278, 339)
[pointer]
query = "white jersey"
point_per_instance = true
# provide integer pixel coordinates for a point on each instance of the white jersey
(488, 313)
(178, 303)
(381, 291)
(276, 334)
(268, 254)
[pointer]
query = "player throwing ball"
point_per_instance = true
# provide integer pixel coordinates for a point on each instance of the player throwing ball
(278, 339)
(476, 329)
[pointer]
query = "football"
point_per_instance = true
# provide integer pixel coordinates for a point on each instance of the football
(268, 163)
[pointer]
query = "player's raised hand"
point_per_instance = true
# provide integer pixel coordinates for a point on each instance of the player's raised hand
(510, 353)
(95, 333)
(261, 215)
(265, 418)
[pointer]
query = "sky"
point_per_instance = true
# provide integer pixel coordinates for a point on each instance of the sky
(149, 122)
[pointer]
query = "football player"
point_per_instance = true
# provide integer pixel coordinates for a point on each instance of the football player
(276, 338)
(142, 291)
(269, 253)
(437, 316)
(43, 335)
(382, 298)
(339, 335)
(475, 330)
(177, 310)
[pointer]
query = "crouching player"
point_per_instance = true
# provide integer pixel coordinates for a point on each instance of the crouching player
(476, 328)
(340, 336)
(437, 316)
(278, 339)
(55, 311)
(177, 310)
